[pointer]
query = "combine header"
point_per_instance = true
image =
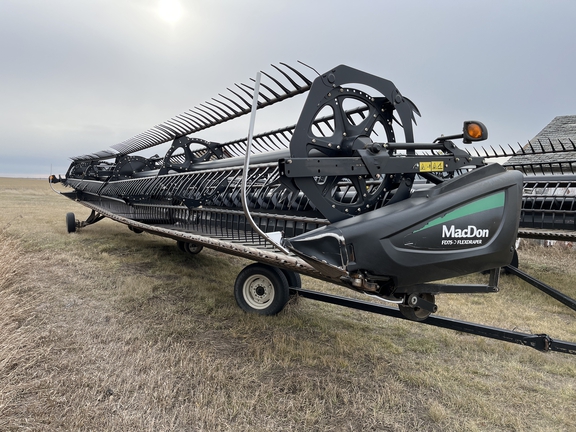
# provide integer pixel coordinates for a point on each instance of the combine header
(335, 196)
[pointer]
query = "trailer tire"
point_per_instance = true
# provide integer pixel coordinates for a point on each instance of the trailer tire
(189, 248)
(294, 281)
(293, 278)
(193, 248)
(261, 289)
(135, 230)
(70, 222)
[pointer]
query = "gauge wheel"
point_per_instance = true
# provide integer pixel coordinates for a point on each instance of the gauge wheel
(515, 262)
(261, 289)
(416, 313)
(70, 222)
(193, 248)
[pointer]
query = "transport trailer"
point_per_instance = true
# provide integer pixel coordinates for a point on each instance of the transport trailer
(335, 196)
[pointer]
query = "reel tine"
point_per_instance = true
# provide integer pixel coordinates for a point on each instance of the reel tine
(233, 113)
(278, 83)
(260, 93)
(326, 122)
(248, 105)
(155, 135)
(319, 129)
(288, 77)
(212, 110)
(268, 140)
(171, 132)
(218, 110)
(297, 72)
(175, 127)
(522, 149)
(186, 121)
(241, 87)
(212, 117)
(200, 114)
(216, 107)
(163, 131)
(240, 107)
(197, 124)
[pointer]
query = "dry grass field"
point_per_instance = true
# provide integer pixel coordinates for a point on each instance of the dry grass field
(107, 330)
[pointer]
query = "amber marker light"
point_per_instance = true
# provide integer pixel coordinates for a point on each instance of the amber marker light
(474, 131)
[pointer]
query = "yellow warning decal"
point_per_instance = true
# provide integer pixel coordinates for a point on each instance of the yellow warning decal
(434, 166)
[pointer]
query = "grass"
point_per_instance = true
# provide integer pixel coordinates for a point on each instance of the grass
(108, 330)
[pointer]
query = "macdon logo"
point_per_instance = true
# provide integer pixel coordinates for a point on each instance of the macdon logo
(470, 232)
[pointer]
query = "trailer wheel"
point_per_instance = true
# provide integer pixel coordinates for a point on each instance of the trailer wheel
(294, 281)
(135, 230)
(293, 278)
(416, 313)
(261, 289)
(70, 222)
(193, 248)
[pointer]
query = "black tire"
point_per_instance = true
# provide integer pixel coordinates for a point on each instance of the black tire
(261, 289)
(293, 278)
(515, 262)
(417, 314)
(181, 245)
(70, 222)
(135, 230)
(193, 248)
(294, 281)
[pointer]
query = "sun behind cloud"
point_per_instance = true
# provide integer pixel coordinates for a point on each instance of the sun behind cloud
(170, 10)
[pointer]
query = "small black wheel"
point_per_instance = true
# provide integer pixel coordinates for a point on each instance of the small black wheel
(70, 222)
(515, 262)
(193, 248)
(181, 245)
(135, 230)
(416, 313)
(261, 289)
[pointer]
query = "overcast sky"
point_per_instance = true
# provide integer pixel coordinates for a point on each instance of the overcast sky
(77, 76)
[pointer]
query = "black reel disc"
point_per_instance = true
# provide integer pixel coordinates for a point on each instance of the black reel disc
(345, 121)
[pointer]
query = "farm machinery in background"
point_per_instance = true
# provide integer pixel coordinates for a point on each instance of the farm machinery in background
(335, 196)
